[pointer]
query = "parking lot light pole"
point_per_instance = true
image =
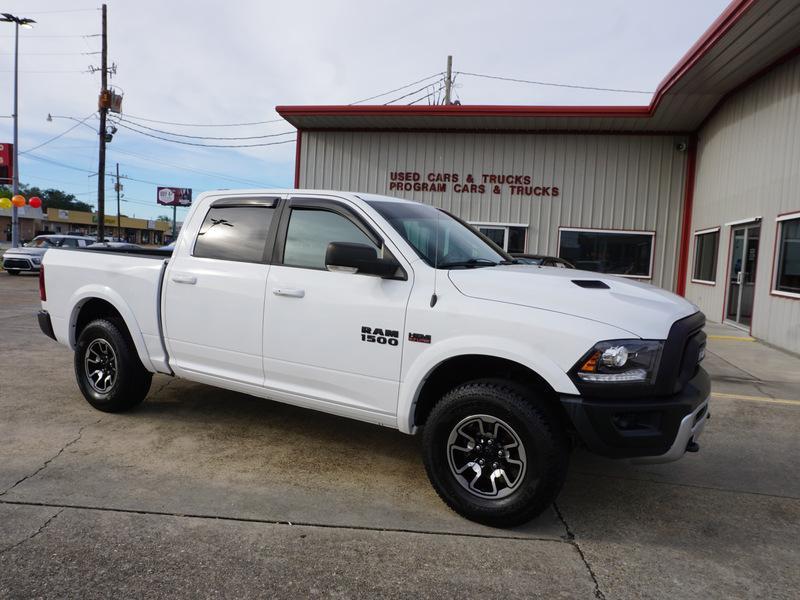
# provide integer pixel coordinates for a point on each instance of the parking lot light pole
(27, 24)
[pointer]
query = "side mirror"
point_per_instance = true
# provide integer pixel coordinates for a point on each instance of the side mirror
(360, 258)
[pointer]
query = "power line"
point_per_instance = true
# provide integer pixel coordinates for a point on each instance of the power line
(57, 163)
(202, 124)
(88, 35)
(52, 12)
(408, 85)
(205, 145)
(428, 95)
(49, 53)
(203, 137)
(63, 133)
(190, 169)
(408, 94)
(551, 84)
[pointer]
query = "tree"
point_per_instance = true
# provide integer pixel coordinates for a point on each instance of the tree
(51, 198)
(164, 218)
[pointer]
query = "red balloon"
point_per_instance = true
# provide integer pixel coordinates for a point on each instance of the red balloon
(35, 202)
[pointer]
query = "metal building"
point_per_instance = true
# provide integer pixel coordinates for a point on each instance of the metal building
(698, 192)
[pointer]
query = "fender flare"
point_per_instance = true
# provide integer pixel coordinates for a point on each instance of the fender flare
(481, 345)
(102, 292)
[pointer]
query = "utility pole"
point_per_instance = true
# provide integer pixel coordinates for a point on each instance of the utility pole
(105, 101)
(448, 82)
(118, 188)
(27, 23)
(174, 220)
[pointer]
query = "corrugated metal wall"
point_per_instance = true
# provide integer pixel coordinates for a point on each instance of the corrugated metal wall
(748, 165)
(605, 181)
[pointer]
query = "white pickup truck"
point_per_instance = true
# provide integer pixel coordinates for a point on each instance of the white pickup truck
(399, 314)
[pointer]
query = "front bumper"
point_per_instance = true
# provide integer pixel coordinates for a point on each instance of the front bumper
(19, 263)
(650, 429)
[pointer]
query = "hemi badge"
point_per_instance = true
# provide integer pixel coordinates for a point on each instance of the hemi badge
(419, 337)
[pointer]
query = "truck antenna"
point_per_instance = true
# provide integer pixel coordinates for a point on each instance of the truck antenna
(434, 297)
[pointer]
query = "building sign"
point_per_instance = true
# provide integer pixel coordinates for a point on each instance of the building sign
(172, 196)
(485, 183)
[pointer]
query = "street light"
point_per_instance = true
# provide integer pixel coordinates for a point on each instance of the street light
(27, 24)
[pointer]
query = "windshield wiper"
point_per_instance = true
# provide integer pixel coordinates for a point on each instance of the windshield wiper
(471, 263)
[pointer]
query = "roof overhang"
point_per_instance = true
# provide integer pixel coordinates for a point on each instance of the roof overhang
(749, 38)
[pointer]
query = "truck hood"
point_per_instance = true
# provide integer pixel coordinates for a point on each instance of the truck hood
(644, 310)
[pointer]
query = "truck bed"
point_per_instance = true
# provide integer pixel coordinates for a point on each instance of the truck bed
(129, 280)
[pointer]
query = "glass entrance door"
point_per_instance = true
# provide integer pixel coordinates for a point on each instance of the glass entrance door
(742, 274)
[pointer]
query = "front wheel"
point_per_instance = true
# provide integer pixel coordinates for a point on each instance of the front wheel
(110, 375)
(494, 453)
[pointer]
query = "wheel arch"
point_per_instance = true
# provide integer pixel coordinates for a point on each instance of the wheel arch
(461, 368)
(91, 305)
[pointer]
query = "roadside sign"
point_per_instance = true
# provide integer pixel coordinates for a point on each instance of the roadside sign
(172, 196)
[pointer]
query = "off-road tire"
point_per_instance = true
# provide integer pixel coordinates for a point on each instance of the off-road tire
(131, 380)
(537, 426)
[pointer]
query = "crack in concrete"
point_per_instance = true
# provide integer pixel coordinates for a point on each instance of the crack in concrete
(163, 387)
(47, 462)
(35, 533)
(570, 539)
(191, 515)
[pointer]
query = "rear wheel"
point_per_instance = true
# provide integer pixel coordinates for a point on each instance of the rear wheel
(110, 375)
(494, 453)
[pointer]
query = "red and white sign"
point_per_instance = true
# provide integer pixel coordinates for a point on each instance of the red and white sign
(172, 196)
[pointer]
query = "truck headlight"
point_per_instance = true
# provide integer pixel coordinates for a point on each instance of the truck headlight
(36, 259)
(620, 361)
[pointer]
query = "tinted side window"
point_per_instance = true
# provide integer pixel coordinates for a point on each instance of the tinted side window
(309, 233)
(69, 243)
(234, 233)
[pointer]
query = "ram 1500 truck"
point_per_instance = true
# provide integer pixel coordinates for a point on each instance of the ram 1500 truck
(399, 314)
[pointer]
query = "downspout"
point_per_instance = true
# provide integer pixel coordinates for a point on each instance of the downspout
(686, 226)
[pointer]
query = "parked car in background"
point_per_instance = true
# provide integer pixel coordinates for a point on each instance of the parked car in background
(543, 261)
(115, 245)
(29, 256)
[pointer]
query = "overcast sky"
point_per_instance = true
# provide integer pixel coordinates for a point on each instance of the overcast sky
(231, 62)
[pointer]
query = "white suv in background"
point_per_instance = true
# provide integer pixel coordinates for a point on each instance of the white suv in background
(29, 256)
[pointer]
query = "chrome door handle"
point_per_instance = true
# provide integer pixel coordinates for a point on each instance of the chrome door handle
(291, 292)
(188, 279)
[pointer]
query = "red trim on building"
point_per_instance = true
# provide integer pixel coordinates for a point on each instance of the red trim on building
(686, 227)
(297, 145)
(456, 110)
(729, 17)
(754, 77)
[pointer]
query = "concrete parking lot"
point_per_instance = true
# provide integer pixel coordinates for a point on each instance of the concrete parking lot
(208, 493)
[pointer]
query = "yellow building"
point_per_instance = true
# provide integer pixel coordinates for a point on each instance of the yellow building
(135, 231)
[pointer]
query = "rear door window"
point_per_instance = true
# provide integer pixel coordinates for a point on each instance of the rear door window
(234, 233)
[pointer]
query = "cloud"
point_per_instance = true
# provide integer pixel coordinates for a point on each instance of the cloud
(212, 62)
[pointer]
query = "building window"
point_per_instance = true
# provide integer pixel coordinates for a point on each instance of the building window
(787, 271)
(510, 238)
(625, 253)
(706, 246)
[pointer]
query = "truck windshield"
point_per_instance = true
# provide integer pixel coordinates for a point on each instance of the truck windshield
(440, 239)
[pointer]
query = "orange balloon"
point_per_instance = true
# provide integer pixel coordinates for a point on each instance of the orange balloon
(18, 201)
(35, 202)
